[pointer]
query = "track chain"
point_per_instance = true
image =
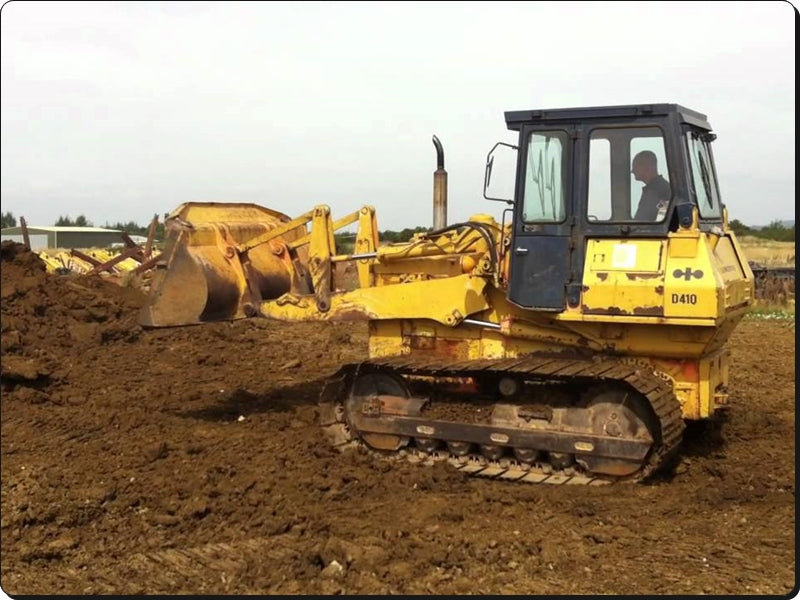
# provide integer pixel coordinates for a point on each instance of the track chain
(655, 388)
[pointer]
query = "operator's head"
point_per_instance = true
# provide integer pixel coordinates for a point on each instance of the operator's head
(645, 166)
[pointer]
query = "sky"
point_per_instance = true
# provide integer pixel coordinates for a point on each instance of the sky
(122, 110)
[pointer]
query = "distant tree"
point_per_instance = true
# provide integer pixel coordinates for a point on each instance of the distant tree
(345, 242)
(777, 231)
(740, 229)
(403, 235)
(135, 228)
(67, 221)
(160, 232)
(8, 220)
(774, 231)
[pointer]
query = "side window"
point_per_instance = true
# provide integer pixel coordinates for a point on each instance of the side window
(703, 179)
(650, 188)
(545, 182)
(599, 179)
(628, 175)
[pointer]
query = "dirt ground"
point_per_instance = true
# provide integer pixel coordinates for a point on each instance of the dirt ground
(188, 461)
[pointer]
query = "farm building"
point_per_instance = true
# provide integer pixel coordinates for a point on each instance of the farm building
(64, 237)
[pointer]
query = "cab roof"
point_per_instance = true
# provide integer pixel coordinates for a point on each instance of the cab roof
(517, 118)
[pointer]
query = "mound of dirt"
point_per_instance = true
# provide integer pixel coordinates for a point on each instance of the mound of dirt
(46, 320)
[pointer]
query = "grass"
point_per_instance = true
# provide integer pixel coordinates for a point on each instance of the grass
(767, 252)
(771, 311)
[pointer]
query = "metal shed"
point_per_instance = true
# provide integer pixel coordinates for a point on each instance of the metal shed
(64, 237)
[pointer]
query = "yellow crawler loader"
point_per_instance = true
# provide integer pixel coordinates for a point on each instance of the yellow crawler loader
(568, 343)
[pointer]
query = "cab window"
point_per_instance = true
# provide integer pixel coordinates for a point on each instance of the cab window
(545, 180)
(628, 175)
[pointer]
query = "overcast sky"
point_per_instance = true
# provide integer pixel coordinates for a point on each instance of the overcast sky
(119, 111)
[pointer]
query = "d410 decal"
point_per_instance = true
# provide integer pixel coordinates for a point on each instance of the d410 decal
(684, 298)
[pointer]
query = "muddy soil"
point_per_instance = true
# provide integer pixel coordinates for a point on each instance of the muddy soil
(189, 461)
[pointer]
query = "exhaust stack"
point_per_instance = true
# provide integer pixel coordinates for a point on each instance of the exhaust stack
(439, 188)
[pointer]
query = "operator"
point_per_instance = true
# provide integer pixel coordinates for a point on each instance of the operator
(656, 193)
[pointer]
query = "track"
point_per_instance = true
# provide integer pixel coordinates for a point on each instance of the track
(657, 392)
(763, 272)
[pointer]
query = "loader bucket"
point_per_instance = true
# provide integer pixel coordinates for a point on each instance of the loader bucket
(204, 275)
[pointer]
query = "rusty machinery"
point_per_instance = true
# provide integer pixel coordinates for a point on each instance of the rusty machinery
(569, 342)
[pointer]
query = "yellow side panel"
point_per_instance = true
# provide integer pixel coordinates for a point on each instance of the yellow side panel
(624, 278)
(738, 289)
(630, 256)
(683, 247)
(692, 285)
(727, 261)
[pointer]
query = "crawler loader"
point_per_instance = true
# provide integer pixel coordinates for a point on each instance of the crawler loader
(567, 343)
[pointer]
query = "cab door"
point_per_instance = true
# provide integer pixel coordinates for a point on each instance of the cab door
(541, 248)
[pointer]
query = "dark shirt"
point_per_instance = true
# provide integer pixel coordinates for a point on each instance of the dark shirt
(656, 192)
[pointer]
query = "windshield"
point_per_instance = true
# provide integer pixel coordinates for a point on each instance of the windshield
(704, 181)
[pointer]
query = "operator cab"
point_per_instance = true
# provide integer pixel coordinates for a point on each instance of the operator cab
(623, 172)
